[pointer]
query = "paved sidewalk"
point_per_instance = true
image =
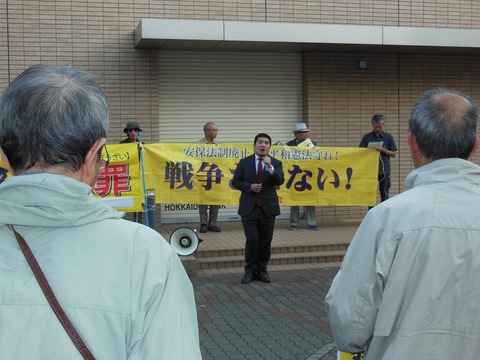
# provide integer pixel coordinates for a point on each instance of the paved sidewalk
(283, 320)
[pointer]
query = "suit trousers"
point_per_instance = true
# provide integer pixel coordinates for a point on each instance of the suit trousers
(258, 228)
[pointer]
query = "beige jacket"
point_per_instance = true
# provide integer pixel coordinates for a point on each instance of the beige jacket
(409, 286)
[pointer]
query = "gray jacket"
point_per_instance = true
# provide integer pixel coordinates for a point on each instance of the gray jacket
(120, 283)
(409, 286)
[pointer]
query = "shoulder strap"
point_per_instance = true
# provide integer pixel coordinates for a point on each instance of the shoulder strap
(52, 300)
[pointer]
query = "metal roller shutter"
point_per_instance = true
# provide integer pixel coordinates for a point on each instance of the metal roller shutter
(244, 93)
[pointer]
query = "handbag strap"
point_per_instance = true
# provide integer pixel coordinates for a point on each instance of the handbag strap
(52, 300)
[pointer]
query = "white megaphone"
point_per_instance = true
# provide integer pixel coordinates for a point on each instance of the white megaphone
(184, 241)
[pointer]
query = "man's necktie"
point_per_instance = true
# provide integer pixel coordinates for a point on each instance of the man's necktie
(259, 172)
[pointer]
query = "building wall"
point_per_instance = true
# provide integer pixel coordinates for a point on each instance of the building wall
(95, 36)
(339, 99)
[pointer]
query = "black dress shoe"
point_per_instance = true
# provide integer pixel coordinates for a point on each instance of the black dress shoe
(264, 277)
(203, 228)
(247, 278)
(214, 228)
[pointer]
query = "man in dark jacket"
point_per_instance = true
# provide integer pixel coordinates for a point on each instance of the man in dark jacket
(133, 130)
(257, 177)
(387, 149)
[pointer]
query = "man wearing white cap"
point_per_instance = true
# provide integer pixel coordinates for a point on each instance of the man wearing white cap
(302, 133)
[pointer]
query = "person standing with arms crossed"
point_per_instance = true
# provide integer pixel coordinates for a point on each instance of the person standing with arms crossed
(387, 150)
(208, 222)
(257, 177)
(302, 133)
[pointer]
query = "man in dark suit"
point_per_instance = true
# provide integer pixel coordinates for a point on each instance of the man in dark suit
(257, 177)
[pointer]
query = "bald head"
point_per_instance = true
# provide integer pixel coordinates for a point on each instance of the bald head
(444, 124)
(453, 107)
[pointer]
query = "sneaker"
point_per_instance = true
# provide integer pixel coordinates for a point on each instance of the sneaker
(203, 228)
(313, 227)
(292, 228)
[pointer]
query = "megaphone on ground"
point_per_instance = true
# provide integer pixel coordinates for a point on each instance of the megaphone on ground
(184, 241)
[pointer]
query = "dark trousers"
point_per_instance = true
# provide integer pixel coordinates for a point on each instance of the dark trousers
(138, 217)
(258, 229)
(384, 186)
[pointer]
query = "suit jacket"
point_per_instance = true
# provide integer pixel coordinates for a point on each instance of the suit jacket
(246, 175)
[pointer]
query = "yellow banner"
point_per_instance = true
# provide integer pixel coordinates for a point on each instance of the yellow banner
(4, 173)
(120, 184)
(202, 174)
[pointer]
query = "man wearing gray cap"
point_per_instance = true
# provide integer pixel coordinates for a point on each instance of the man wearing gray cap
(302, 133)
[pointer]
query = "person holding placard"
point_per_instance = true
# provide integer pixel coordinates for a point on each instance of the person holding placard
(384, 142)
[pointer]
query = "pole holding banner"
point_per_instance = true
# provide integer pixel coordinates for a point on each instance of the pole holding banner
(142, 167)
(151, 209)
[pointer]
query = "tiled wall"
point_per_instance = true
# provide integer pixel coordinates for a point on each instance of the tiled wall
(339, 98)
(426, 13)
(95, 36)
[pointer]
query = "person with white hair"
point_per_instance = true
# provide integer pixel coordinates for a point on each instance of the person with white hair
(408, 287)
(121, 286)
(209, 213)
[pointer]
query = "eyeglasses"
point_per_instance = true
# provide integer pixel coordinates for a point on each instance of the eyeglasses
(213, 130)
(133, 129)
(104, 163)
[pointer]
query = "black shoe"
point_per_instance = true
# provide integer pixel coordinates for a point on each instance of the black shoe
(203, 228)
(247, 278)
(214, 228)
(264, 277)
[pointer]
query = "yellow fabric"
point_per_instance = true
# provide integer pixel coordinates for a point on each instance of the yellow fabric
(202, 173)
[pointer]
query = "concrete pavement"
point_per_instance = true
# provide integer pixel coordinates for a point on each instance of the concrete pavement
(282, 320)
